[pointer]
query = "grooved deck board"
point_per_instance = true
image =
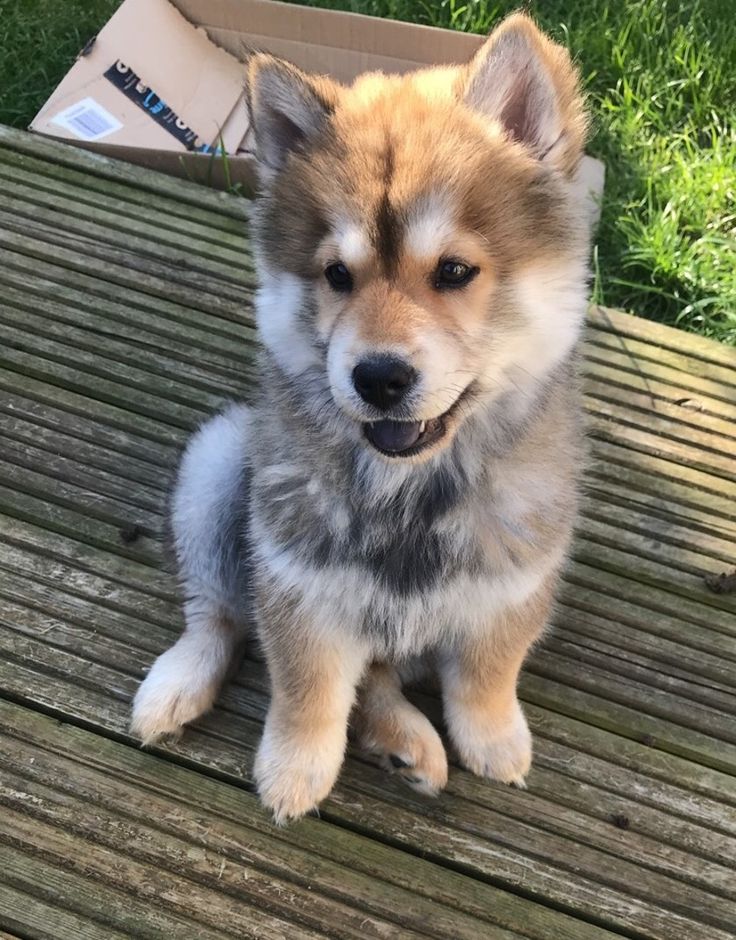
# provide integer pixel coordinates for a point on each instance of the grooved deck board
(125, 318)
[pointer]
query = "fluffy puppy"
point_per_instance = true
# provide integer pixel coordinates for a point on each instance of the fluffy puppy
(403, 489)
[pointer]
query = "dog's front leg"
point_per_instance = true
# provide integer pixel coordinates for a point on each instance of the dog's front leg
(314, 674)
(479, 676)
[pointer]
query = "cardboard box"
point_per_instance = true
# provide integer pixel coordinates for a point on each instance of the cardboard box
(162, 83)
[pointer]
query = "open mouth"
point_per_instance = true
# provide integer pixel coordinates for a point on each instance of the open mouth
(407, 438)
(404, 438)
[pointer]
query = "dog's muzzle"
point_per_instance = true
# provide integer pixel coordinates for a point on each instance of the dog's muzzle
(408, 438)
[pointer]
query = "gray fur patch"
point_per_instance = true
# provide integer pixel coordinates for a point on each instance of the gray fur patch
(333, 507)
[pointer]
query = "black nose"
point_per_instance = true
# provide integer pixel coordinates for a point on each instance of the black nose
(383, 381)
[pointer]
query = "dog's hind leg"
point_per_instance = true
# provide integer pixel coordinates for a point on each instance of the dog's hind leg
(209, 520)
(388, 725)
(185, 680)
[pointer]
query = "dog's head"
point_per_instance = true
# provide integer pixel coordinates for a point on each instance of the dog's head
(420, 237)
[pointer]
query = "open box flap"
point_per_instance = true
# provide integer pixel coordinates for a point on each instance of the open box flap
(195, 79)
(352, 32)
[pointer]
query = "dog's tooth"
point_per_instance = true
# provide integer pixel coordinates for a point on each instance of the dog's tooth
(422, 427)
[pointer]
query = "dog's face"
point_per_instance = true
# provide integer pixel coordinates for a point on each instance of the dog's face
(419, 236)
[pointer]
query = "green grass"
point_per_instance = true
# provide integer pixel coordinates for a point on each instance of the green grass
(39, 40)
(661, 80)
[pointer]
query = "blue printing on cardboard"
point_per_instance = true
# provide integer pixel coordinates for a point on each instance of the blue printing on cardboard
(125, 79)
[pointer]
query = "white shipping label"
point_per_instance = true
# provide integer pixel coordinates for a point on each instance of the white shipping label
(87, 120)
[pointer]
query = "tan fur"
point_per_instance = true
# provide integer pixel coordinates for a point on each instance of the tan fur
(312, 693)
(511, 216)
(384, 313)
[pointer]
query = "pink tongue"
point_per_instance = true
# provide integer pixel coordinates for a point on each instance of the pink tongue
(394, 436)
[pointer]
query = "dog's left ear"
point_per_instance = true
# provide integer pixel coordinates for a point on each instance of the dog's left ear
(528, 84)
(288, 109)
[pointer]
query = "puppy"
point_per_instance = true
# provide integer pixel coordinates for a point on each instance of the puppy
(403, 489)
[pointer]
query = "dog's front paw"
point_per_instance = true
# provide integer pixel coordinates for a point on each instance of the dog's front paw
(173, 693)
(494, 750)
(293, 776)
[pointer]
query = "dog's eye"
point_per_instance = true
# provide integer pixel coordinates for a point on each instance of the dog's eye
(338, 277)
(451, 273)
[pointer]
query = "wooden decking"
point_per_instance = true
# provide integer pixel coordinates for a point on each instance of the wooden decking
(124, 320)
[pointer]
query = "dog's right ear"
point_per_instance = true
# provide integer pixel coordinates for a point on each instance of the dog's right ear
(288, 109)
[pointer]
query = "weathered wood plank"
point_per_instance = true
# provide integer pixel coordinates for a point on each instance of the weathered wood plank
(649, 610)
(629, 705)
(22, 423)
(135, 254)
(610, 425)
(56, 153)
(682, 547)
(101, 496)
(660, 541)
(22, 912)
(263, 871)
(93, 293)
(97, 533)
(120, 206)
(590, 624)
(700, 449)
(104, 906)
(55, 553)
(149, 394)
(622, 483)
(103, 221)
(98, 708)
(589, 611)
(200, 905)
(605, 386)
(81, 472)
(665, 337)
(78, 405)
(599, 801)
(409, 822)
(96, 618)
(639, 602)
(124, 658)
(714, 545)
(104, 771)
(650, 369)
(128, 270)
(227, 890)
(626, 558)
(62, 565)
(693, 375)
(114, 340)
(700, 667)
(76, 638)
(620, 704)
(593, 528)
(621, 765)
